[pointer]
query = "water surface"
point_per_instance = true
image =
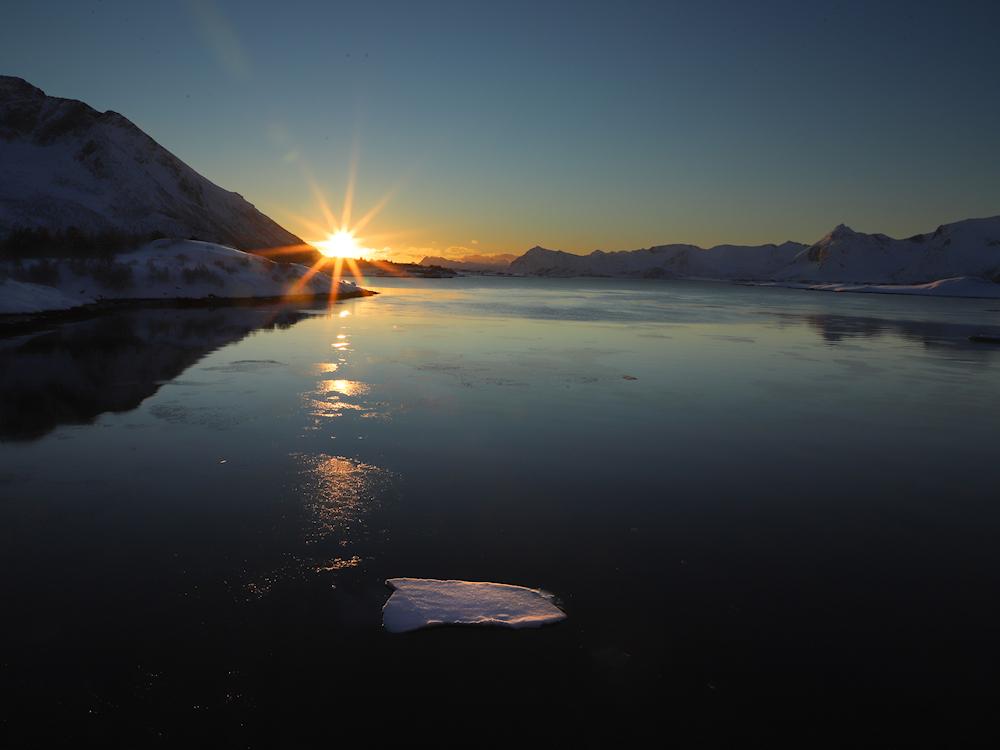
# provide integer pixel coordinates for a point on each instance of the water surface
(734, 492)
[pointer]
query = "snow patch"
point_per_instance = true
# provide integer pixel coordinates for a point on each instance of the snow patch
(23, 297)
(423, 602)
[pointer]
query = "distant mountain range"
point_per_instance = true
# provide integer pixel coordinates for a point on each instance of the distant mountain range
(63, 164)
(498, 262)
(723, 261)
(969, 248)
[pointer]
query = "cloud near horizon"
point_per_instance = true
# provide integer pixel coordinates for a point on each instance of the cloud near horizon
(414, 254)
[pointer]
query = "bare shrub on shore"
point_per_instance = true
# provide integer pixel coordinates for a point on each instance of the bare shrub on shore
(201, 272)
(44, 272)
(38, 242)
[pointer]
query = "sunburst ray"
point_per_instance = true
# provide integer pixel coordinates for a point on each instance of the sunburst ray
(390, 268)
(296, 288)
(273, 252)
(355, 270)
(335, 281)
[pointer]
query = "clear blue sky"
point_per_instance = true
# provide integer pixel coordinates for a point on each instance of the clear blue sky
(571, 125)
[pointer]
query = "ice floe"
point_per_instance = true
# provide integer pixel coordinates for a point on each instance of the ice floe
(423, 602)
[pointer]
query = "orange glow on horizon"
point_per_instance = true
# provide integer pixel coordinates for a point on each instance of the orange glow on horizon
(341, 246)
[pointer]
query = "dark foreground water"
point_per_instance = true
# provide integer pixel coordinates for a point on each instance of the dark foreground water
(739, 495)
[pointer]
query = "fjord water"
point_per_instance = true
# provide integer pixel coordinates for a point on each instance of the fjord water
(733, 492)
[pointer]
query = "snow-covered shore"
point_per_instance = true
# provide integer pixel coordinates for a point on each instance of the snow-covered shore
(160, 270)
(24, 297)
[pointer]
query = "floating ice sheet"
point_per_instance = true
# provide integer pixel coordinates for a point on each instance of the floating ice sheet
(422, 602)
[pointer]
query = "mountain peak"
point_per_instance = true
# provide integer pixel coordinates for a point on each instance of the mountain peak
(12, 87)
(68, 165)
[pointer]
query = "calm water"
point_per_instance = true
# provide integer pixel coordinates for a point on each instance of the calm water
(734, 493)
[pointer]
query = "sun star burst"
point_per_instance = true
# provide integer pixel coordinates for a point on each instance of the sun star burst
(340, 244)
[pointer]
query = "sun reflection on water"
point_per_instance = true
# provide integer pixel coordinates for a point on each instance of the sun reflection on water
(340, 493)
(339, 563)
(343, 387)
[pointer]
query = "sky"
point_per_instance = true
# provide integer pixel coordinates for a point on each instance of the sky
(493, 127)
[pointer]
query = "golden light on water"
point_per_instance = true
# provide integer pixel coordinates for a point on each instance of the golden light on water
(343, 387)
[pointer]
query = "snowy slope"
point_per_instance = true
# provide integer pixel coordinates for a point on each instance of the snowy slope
(64, 164)
(163, 269)
(26, 297)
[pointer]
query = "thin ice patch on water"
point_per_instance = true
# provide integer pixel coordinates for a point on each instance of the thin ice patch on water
(245, 365)
(469, 374)
(425, 602)
(214, 418)
(731, 339)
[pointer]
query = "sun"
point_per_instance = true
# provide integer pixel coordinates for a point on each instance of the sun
(340, 244)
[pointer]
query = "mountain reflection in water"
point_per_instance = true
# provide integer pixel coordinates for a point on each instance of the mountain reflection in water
(112, 363)
(942, 335)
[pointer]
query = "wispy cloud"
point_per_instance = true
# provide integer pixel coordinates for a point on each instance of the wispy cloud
(221, 38)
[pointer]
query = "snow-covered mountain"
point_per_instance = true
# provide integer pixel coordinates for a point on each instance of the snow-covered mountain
(668, 261)
(969, 248)
(64, 164)
(964, 248)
